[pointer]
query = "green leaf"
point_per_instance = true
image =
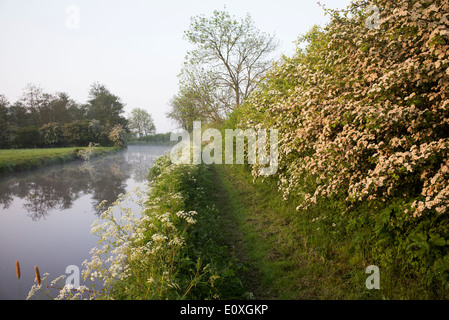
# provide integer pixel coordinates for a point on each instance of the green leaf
(419, 239)
(437, 240)
(441, 264)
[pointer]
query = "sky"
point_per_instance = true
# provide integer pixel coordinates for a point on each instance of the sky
(134, 47)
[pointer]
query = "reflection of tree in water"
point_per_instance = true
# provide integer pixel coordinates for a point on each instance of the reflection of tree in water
(5, 195)
(141, 158)
(108, 181)
(58, 187)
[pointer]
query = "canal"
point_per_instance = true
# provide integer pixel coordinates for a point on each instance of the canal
(46, 214)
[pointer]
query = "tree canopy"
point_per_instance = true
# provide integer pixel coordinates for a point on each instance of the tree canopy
(141, 122)
(230, 57)
(41, 119)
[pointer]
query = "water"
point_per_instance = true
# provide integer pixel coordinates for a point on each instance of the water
(46, 214)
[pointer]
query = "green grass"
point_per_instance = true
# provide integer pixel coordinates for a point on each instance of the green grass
(316, 253)
(189, 260)
(287, 256)
(25, 159)
(248, 242)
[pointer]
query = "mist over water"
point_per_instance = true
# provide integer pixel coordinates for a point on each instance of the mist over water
(46, 214)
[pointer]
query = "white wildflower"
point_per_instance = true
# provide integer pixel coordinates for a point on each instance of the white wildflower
(158, 237)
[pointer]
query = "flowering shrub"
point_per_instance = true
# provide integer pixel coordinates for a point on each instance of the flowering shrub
(51, 134)
(117, 136)
(363, 114)
(366, 109)
(88, 152)
(165, 250)
(136, 253)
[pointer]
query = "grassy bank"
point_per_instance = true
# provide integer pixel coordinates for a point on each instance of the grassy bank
(174, 247)
(292, 257)
(212, 232)
(316, 253)
(24, 159)
(363, 147)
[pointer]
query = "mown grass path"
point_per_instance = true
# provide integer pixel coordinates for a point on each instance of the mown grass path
(280, 250)
(260, 238)
(234, 237)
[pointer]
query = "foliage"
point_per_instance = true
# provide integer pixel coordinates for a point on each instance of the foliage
(158, 138)
(363, 119)
(77, 133)
(51, 135)
(105, 106)
(4, 127)
(230, 57)
(27, 137)
(165, 251)
(186, 108)
(40, 119)
(141, 122)
(97, 132)
(236, 52)
(117, 136)
(23, 159)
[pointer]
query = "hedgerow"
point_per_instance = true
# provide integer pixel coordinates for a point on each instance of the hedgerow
(363, 117)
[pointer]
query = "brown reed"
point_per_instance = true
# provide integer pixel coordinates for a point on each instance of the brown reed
(17, 269)
(38, 276)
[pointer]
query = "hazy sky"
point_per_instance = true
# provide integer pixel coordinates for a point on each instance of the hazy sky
(134, 47)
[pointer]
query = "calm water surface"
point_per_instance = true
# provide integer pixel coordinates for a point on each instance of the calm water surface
(46, 214)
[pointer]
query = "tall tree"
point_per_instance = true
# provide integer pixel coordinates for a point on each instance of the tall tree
(141, 122)
(185, 109)
(37, 103)
(19, 116)
(202, 88)
(4, 123)
(235, 52)
(105, 106)
(65, 110)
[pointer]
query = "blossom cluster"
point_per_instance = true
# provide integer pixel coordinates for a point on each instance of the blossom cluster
(139, 251)
(364, 111)
(138, 246)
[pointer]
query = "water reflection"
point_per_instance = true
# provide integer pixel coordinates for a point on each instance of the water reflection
(46, 215)
(57, 187)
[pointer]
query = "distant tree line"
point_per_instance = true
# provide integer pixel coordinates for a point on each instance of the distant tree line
(158, 138)
(40, 119)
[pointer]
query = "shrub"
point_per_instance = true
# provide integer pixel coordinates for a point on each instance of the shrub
(363, 116)
(117, 136)
(51, 135)
(28, 137)
(77, 133)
